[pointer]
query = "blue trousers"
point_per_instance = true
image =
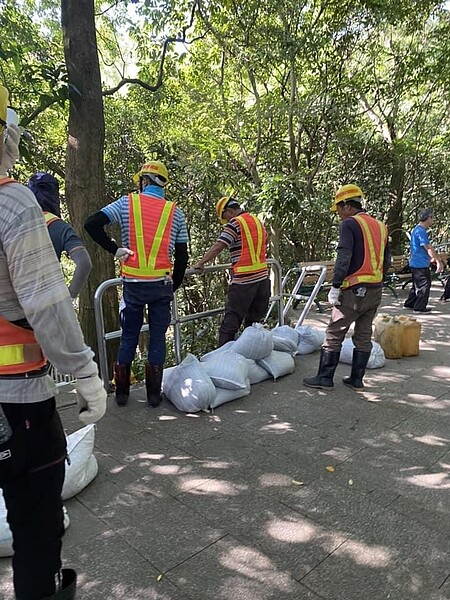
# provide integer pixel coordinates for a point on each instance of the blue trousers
(157, 297)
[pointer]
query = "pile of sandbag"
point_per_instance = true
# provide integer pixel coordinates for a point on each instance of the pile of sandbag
(228, 373)
(81, 468)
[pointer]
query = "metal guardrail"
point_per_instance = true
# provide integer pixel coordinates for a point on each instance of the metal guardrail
(176, 321)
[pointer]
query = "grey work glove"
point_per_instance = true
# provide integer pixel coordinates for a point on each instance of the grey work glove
(123, 254)
(333, 296)
(11, 139)
(91, 397)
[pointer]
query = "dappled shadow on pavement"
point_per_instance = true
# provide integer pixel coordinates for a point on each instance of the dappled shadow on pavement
(289, 493)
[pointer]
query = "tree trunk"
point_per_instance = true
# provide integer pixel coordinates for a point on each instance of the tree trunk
(85, 179)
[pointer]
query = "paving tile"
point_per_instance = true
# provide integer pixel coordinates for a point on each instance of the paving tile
(232, 570)
(360, 570)
(84, 523)
(110, 569)
(164, 531)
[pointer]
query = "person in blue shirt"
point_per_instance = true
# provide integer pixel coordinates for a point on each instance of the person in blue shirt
(422, 254)
(153, 256)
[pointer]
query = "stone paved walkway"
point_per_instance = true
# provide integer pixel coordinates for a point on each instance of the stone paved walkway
(241, 504)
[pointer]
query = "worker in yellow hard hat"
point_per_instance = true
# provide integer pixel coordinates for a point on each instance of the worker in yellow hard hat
(249, 291)
(37, 325)
(153, 257)
(362, 261)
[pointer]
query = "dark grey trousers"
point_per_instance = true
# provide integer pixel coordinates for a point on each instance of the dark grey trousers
(245, 302)
(353, 309)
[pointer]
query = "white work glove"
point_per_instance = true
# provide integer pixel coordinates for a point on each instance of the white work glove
(123, 254)
(11, 139)
(333, 296)
(91, 397)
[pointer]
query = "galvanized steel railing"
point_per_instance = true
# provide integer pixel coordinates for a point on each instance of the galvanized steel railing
(177, 320)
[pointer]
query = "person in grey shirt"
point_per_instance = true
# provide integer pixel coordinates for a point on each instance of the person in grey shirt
(37, 325)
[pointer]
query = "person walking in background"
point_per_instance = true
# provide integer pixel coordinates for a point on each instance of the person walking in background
(37, 325)
(152, 231)
(421, 254)
(64, 239)
(249, 291)
(362, 261)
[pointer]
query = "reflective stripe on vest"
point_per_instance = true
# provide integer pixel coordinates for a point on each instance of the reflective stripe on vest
(19, 350)
(50, 218)
(253, 245)
(375, 238)
(151, 221)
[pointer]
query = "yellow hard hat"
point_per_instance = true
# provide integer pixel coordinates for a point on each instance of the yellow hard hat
(344, 193)
(155, 168)
(4, 96)
(222, 204)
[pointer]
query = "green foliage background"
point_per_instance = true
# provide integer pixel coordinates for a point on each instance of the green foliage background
(282, 102)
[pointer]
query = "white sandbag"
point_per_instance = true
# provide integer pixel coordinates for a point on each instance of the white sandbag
(254, 342)
(278, 363)
(6, 548)
(256, 373)
(223, 395)
(214, 353)
(166, 376)
(228, 370)
(189, 387)
(285, 339)
(376, 360)
(83, 465)
(310, 339)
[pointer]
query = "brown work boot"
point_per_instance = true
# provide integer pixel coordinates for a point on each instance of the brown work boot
(153, 380)
(122, 381)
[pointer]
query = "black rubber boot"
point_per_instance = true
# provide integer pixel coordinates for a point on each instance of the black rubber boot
(68, 588)
(359, 364)
(153, 380)
(122, 381)
(327, 366)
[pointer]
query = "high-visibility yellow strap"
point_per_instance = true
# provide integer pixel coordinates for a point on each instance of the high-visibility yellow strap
(376, 261)
(157, 240)
(139, 230)
(255, 254)
(147, 264)
(11, 355)
(145, 272)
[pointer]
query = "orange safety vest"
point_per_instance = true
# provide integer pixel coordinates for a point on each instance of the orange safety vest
(19, 350)
(253, 245)
(150, 229)
(375, 235)
(50, 217)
